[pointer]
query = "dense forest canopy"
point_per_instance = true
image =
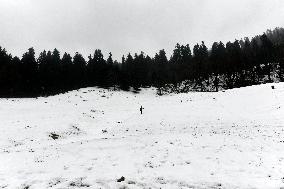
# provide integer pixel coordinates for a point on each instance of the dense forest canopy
(227, 65)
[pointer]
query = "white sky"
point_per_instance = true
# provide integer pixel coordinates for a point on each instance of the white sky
(123, 26)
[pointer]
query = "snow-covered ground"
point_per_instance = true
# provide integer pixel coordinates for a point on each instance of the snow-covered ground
(93, 137)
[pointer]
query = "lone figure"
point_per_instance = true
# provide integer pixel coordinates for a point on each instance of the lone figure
(141, 109)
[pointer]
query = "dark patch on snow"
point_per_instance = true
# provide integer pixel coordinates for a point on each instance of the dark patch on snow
(54, 182)
(121, 179)
(131, 182)
(104, 131)
(79, 184)
(54, 136)
(26, 186)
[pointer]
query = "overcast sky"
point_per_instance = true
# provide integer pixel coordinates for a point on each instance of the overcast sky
(123, 26)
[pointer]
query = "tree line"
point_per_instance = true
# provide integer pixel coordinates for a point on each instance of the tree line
(234, 64)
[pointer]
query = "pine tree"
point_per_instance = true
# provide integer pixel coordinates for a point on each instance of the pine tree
(267, 55)
(67, 72)
(30, 73)
(79, 70)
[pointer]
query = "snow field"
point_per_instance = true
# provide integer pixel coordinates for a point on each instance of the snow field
(92, 137)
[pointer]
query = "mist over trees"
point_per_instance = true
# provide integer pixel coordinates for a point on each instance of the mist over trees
(233, 64)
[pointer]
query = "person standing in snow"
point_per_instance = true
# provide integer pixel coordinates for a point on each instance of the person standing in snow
(141, 109)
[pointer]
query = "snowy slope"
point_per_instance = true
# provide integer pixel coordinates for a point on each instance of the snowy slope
(232, 139)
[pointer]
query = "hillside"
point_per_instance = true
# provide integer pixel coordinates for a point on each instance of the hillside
(92, 137)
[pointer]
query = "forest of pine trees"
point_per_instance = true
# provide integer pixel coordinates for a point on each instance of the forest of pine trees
(234, 64)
